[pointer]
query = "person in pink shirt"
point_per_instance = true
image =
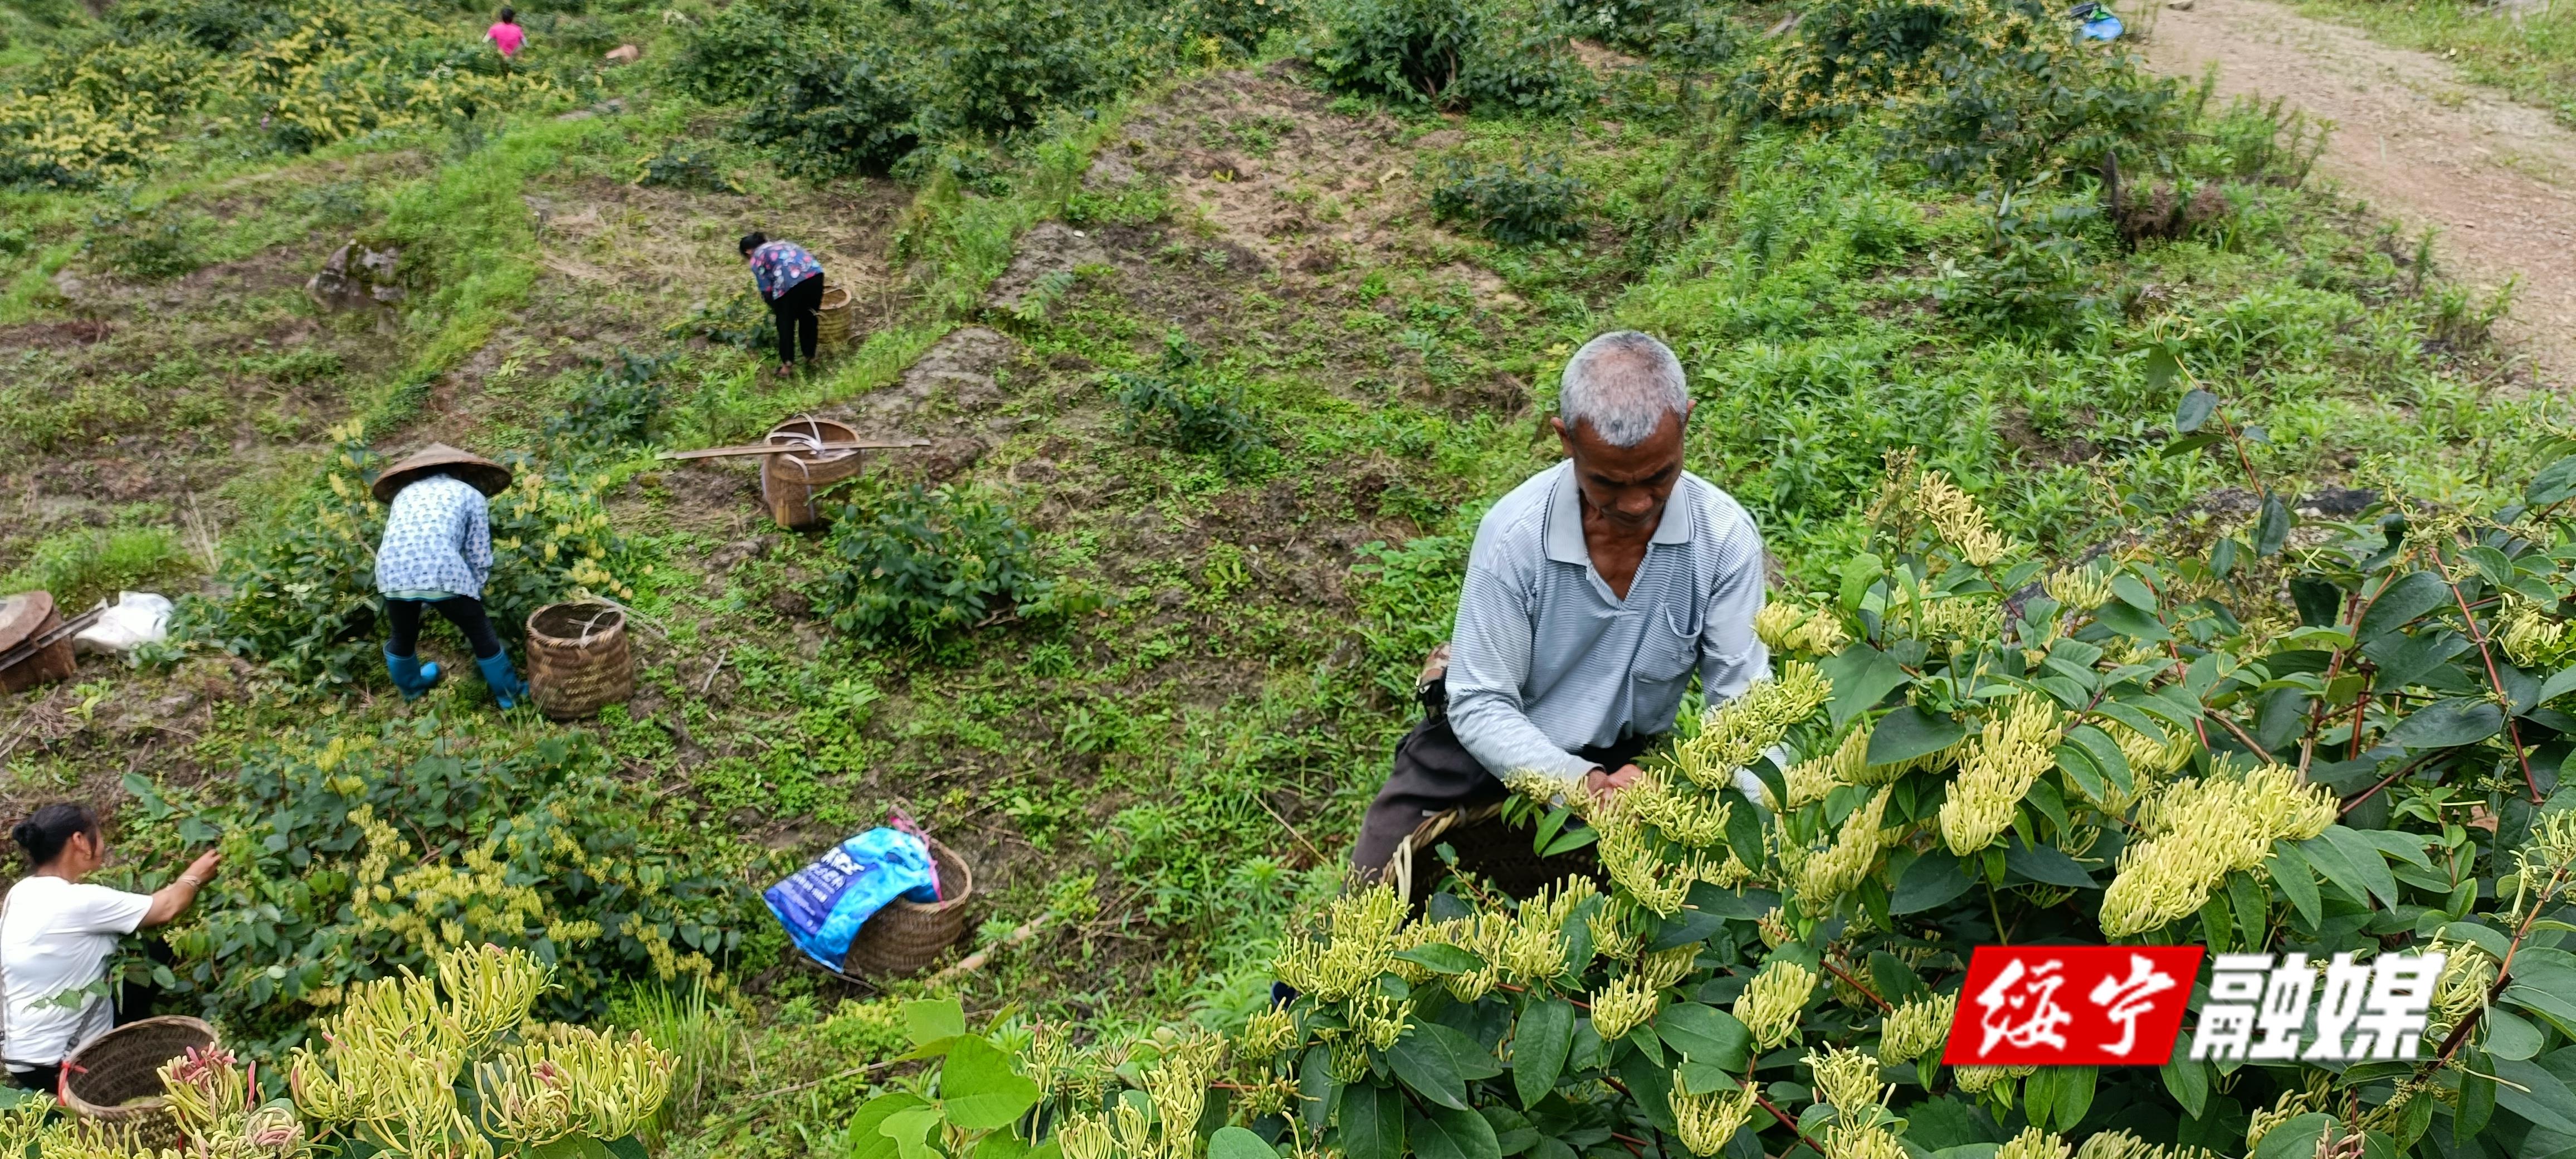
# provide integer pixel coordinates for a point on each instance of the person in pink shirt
(507, 34)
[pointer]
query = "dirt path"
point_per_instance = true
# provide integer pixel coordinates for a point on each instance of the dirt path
(2424, 147)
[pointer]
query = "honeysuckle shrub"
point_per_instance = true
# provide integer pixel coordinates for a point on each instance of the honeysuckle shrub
(300, 595)
(290, 74)
(352, 856)
(2281, 735)
(452, 1064)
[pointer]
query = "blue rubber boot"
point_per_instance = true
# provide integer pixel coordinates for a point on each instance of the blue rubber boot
(410, 675)
(507, 688)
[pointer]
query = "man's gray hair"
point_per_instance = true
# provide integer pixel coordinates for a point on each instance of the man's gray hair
(1623, 383)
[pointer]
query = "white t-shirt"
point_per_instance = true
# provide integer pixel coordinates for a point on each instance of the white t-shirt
(56, 936)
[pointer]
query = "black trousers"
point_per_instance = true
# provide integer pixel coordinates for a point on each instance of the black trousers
(465, 613)
(1434, 773)
(798, 327)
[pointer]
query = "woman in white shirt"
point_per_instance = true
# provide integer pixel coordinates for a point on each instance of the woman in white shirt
(56, 933)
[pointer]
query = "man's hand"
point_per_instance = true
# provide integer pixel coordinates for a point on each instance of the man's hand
(1603, 784)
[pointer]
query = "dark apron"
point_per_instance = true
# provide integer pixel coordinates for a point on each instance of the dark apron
(1434, 773)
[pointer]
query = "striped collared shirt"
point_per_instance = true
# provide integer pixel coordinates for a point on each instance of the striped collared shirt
(1545, 659)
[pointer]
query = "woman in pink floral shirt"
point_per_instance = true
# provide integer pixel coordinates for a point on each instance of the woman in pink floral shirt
(791, 281)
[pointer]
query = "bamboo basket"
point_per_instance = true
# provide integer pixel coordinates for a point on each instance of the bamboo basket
(25, 618)
(906, 936)
(789, 482)
(834, 318)
(124, 1065)
(578, 659)
(1488, 847)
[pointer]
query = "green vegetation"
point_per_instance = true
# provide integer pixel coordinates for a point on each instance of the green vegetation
(917, 564)
(2150, 749)
(1137, 631)
(2528, 51)
(80, 568)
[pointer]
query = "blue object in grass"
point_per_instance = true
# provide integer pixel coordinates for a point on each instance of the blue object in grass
(2102, 26)
(824, 904)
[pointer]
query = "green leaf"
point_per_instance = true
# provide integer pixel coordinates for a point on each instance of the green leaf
(2272, 526)
(2197, 405)
(2551, 484)
(2134, 592)
(2296, 880)
(2509, 1036)
(866, 1140)
(2186, 445)
(1372, 1122)
(1451, 1134)
(1442, 958)
(2047, 865)
(1862, 676)
(2560, 683)
(2447, 723)
(1743, 836)
(1539, 1046)
(2069, 1093)
(1910, 732)
(980, 1090)
(910, 1129)
(2295, 1139)
(1005, 1145)
(934, 1019)
(2477, 1106)
(1933, 879)
(2556, 1009)
(2398, 605)
(2187, 1081)
(628, 1147)
(2078, 765)
(2131, 622)
(2539, 1096)
(1235, 1143)
(1857, 574)
(2362, 858)
(1705, 1034)
(1512, 1131)
(2106, 755)
(1437, 1062)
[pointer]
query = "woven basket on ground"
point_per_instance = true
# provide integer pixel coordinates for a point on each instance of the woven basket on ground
(1487, 846)
(578, 659)
(833, 321)
(789, 482)
(24, 618)
(103, 1080)
(906, 936)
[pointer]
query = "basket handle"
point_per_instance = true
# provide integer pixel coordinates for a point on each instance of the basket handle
(902, 822)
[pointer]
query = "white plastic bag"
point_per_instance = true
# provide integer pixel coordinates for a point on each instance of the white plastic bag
(136, 619)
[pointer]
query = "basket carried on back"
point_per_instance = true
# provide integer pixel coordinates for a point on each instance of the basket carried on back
(1487, 846)
(833, 319)
(907, 936)
(116, 1078)
(789, 482)
(578, 659)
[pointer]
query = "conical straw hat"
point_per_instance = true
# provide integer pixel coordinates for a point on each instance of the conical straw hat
(485, 475)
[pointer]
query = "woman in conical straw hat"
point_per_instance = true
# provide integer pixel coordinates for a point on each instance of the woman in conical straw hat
(436, 554)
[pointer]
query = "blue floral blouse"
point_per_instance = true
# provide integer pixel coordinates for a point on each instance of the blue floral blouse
(438, 538)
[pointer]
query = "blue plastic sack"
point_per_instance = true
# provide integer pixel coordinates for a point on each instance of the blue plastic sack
(824, 904)
(2102, 27)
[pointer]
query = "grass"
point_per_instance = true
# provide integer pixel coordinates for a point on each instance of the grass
(80, 568)
(2529, 51)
